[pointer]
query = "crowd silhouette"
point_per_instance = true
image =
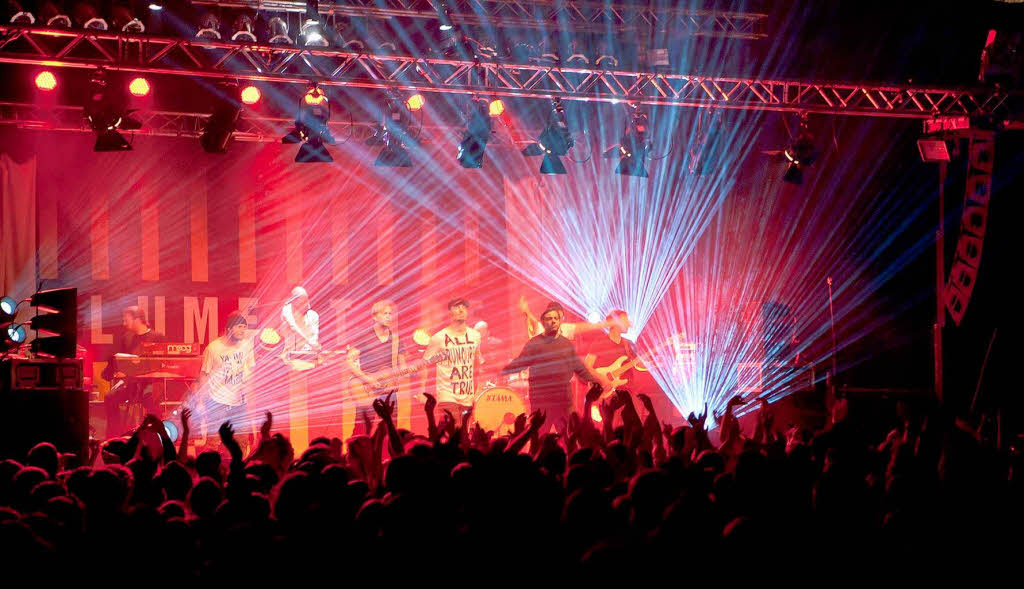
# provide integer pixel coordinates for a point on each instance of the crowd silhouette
(626, 496)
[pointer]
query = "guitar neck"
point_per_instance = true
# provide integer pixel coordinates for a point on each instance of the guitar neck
(392, 373)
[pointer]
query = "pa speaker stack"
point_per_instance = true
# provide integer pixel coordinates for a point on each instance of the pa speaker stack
(43, 401)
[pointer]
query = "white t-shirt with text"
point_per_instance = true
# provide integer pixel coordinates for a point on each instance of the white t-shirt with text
(227, 368)
(454, 381)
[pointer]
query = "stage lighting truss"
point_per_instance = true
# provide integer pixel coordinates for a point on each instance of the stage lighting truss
(311, 127)
(282, 62)
(107, 115)
(635, 144)
(554, 141)
(582, 16)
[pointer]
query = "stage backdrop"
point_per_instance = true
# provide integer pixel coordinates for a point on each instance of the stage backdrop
(191, 237)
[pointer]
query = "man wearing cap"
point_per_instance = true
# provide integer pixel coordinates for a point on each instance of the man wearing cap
(228, 363)
(552, 361)
(302, 323)
(455, 383)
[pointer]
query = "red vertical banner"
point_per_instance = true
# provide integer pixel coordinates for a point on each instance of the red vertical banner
(150, 213)
(247, 238)
(48, 236)
(428, 261)
(471, 222)
(99, 235)
(385, 244)
(339, 242)
(198, 233)
(294, 226)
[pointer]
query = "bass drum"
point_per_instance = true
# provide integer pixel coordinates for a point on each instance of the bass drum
(497, 408)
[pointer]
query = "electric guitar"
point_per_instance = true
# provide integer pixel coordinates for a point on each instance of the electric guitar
(614, 371)
(387, 377)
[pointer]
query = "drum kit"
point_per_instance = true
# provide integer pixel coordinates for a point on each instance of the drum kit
(498, 405)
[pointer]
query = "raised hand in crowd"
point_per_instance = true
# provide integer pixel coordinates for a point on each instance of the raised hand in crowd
(429, 404)
(266, 426)
(385, 408)
(185, 416)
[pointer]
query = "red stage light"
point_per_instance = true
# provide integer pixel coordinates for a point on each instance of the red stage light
(415, 102)
(139, 87)
(46, 81)
(315, 96)
(496, 108)
(250, 95)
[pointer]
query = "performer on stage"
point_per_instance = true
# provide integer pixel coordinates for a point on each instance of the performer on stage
(375, 349)
(228, 362)
(301, 323)
(552, 361)
(604, 349)
(566, 329)
(455, 385)
(137, 332)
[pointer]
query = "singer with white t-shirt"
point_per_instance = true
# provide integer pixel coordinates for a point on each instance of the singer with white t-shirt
(455, 385)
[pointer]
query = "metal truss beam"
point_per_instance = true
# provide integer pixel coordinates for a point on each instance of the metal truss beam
(249, 128)
(289, 64)
(579, 16)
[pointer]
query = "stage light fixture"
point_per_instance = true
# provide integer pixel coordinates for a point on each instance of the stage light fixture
(444, 16)
(86, 16)
(156, 6)
(478, 133)
(7, 308)
(251, 95)
(312, 34)
(634, 146)
(393, 134)
(20, 16)
(172, 430)
(802, 153)
(209, 27)
(139, 87)
(311, 128)
(243, 27)
(554, 141)
(415, 102)
(122, 18)
(496, 108)
(106, 115)
(52, 14)
(279, 31)
(46, 81)
(221, 124)
(12, 333)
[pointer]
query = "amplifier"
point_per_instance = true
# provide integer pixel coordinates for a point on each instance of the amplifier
(169, 349)
(53, 374)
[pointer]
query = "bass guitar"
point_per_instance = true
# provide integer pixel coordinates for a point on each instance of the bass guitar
(387, 378)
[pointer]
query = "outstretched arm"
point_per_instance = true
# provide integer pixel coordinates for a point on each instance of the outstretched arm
(383, 408)
(520, 362)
